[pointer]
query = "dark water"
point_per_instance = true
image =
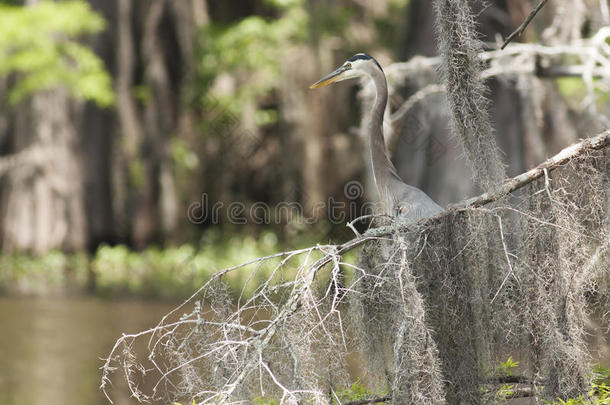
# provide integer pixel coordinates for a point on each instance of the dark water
(50, 349)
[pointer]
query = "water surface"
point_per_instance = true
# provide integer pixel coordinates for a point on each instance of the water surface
(50, 349)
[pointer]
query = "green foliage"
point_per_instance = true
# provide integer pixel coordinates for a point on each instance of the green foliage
(600, 388)
(601, 375)
(389, 27)
(177, 271)
(355, 392)
(39, 44)
(599, 393)
(183, 156)
(505, 368)
(266, 401)
(251, 44)
(505, 393)
(574, 90)
(284, 3)
(52, 271)
(142, 93)
(137, 172)
(173, 272)
(250, 51)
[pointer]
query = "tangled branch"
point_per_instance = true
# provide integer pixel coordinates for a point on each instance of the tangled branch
(273, 342)
(427, 306)
(588, 59)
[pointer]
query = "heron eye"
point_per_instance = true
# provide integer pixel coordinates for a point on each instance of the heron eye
(348, 65)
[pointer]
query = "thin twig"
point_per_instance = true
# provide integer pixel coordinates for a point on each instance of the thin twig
(522, 27)
(510, 266)
(416, 98)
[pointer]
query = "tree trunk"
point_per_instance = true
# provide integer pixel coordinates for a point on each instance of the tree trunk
(44, 200)
(98, 130)
(144, 180)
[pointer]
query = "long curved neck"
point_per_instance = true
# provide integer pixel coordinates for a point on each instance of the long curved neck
(383, 169)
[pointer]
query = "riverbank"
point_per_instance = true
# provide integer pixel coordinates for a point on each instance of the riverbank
(169, 273)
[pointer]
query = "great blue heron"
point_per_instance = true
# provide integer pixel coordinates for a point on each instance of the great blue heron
(402, 200)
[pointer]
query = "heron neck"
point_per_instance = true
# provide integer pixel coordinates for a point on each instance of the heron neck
(383, 169)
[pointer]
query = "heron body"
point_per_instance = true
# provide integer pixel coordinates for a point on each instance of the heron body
(401, 200)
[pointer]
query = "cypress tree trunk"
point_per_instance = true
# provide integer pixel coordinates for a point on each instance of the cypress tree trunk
(43, 199)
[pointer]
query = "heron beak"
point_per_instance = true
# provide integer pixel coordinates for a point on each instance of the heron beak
(330, 78)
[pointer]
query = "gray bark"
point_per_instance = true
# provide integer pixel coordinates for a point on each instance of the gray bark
(43, 203)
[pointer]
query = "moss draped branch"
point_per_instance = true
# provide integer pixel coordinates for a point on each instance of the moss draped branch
(508, 186)
(245, 351)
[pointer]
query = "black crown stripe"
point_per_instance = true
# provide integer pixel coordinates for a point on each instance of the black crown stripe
(364, 56)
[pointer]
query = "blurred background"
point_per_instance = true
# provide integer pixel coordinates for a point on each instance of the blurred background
(140, 138)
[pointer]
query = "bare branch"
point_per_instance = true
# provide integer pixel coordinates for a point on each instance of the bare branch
(571, 152)
(416, 98)
(525, 23)
(591, 56)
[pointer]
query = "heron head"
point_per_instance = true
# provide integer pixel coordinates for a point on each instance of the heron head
(358, 65)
